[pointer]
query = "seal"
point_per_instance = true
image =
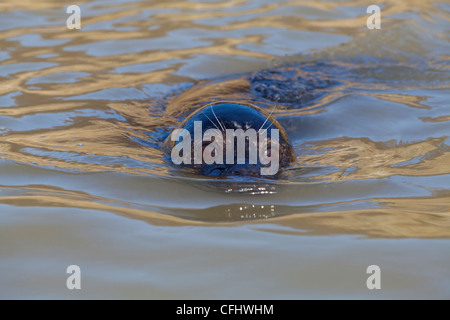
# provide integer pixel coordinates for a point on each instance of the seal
(225, 117)
(289, 87)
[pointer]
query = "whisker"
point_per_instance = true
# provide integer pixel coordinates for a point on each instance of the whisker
(218, 121)
(211, 121)
(273, 109)
(265, 129)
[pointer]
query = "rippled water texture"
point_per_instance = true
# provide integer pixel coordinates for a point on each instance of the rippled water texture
(83, 179)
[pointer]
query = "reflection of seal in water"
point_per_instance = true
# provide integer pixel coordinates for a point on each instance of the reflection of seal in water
(235, 115)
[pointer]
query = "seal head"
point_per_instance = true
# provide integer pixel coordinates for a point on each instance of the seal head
(221, 131)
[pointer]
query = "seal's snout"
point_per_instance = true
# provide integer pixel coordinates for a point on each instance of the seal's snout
(230, 138)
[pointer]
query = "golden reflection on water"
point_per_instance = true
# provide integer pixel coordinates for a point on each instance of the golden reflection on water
(92, 129)
(371, 159)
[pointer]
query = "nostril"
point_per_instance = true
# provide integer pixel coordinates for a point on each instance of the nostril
(244, 170)
(215, 170)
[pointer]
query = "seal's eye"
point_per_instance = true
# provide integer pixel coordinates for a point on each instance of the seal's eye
(268, 152)
(213, 152)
